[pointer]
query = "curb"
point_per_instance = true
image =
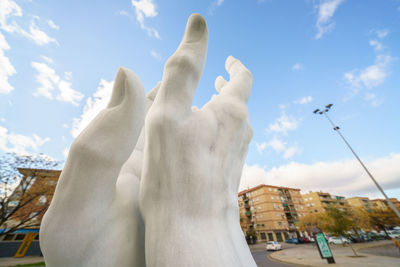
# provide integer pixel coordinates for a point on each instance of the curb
(286, 262)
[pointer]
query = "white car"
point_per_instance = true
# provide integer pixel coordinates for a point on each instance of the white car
(273, 245)
(338, 240)
(394, 233)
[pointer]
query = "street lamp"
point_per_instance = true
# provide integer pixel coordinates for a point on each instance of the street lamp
(336, 128)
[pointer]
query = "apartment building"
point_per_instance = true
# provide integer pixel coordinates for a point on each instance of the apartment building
(317, 202)
(360, 202)
(269, 213)
(37, 197)
(379, 204)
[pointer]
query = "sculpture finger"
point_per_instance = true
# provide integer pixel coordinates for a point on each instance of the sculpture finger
(133, 166)
(111, 136)
(184, 68)
(219, 83)
(240, 82)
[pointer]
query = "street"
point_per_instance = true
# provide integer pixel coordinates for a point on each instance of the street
(260, 256)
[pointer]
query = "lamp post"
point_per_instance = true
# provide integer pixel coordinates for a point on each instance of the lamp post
(337, 129)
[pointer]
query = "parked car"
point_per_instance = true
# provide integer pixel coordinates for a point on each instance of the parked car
(376, 236)
(355, 239)
(273, 245)
(292, 241)
(303, 240)
(338, 240)
(394, 233)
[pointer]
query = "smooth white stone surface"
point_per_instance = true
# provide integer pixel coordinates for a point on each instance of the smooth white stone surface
(188, 166)
(193, 159)
(93, 219)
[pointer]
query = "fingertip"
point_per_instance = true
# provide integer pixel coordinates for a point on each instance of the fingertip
(220, 82)
(196, 28)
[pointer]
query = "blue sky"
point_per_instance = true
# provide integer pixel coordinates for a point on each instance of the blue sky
(58, 60)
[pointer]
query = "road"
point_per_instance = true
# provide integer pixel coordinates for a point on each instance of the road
(260, 256)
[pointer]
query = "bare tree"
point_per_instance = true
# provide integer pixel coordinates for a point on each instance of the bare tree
(19, 200)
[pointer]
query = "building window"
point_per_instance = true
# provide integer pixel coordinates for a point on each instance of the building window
(277, 214)
(275, 190)
(310, 198)
(274, 206)
(270, 189)
(272, 197)
(280, 223)
(259, 207)
(51, 182)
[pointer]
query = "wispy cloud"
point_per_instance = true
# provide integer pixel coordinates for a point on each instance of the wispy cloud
(297, 67)
(277, 145)
(6, 68)
(214, 5)
(304, 100)
(9, 10)
(283, 124)
(50, 80)
(145, 9)
(18, 143)
(326, 10)
(53, 25)
(339, 177)
(155, 54)
(374, 75)
(94, 104)
(261, 147)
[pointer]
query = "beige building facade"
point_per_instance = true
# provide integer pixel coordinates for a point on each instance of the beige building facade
(269, 213)
(317, 202)
(360, 202)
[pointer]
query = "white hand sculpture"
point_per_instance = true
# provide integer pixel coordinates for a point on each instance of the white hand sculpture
(94, 217)
(193, 161)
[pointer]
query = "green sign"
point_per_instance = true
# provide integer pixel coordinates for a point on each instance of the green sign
(323, 246)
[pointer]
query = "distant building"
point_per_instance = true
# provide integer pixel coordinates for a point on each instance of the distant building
(317, 202)
(360, 202)
(379, 204)
(269, 213)
(38, 197)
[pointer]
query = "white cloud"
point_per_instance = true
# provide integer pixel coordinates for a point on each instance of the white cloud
(47, 59)
(65, 126)
(304, 100)
(373, 99)
(219, 2)
(277, 145)
(376, 44)
(297, 66)
(18, 143)
(326, 10)
(283, 124)
(261, 147)
(145, 9)
(38, 36)
(371, 76)
(382, 33)
(124, 13)
(66, 152)
(9, 10)
(155, 54)
(49, 80)
(93, 106)
(337, 177)
(53, 25)
(3, 120)
(290, 152)
(6, 68)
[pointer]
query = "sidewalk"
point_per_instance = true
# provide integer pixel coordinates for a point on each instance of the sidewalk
(309, 256)
(24, 260)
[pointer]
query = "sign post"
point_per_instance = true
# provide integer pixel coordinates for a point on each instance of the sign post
(323, 248)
